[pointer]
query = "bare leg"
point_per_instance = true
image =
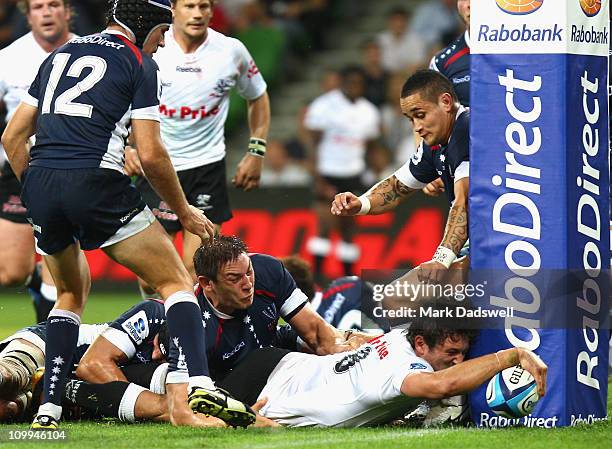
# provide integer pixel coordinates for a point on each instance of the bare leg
(16, 253)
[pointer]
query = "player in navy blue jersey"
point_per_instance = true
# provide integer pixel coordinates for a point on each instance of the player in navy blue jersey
(453, 61)
(78, 198)
(429, 101)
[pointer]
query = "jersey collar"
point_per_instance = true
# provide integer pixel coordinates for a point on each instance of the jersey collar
(116, 32)
(169, 36)
(467, 37)
(218, 313)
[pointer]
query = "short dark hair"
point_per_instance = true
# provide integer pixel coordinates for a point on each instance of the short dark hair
(212, 255)
(436, 330)
(301, 273)
(430, 84)
(349, 70)
(398, 11)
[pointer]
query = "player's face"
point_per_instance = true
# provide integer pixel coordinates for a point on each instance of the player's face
(353, 86)
(448, 353)
(157, 355)
(432, 121)
(235, 284)
(463, 6)
(155, 40)
(49, 19)
(191, 18)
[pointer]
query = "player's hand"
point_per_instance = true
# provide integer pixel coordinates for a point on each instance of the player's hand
(196, 222)
(530, 362)
(345, 203)
(432, 272)
(262, 421)
(132, 165)
(434, 188)
(248, 172)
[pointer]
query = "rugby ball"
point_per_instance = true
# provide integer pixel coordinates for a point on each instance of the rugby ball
(512, 393)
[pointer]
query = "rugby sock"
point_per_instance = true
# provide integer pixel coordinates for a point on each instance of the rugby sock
(112, 399)
(319, 247)
(62, 336)
(348, 253)
(187, 333)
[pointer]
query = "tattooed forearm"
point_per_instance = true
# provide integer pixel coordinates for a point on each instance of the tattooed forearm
(456, 233)
(387, 194)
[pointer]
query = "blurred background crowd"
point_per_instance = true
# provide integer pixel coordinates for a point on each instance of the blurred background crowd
(300, 46)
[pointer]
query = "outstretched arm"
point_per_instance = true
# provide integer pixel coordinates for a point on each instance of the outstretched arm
(466, 376)
(381, 198)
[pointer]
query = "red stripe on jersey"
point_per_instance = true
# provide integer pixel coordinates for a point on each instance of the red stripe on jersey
(456, 56)
(132, 47)
(219, 332)
(337, 289)
(265, 293)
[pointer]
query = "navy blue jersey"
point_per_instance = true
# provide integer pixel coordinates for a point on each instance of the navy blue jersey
(134, 331)
(449, 162)
(454, 63)
(346, 302)
(86, 93)
(230, 338)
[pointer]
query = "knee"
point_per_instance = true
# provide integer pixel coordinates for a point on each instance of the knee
(13, 276)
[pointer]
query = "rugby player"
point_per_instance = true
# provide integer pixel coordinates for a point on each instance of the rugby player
(78, 197)
(376, 383)
(429, 101)
(453, 62)
(19, 62)
(342, 124)
(199, 68)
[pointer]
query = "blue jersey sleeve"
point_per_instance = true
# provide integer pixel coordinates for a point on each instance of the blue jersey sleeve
(147, 92)
(273, 280)
(137, 326)
(459, 147)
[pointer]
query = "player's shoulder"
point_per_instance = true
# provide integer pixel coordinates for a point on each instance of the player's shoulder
(328, 99)
(24, 43)
(265, 264)
(462, 123)
(345, 280)
(217, 39)
(440, 59)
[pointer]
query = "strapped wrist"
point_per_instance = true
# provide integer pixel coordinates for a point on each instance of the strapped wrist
(365, 205)
(444, 255)
(257, 147)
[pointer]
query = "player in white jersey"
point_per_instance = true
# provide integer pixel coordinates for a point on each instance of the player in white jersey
(19, 63)
(383, 379)
(342, 125)
(199, 67)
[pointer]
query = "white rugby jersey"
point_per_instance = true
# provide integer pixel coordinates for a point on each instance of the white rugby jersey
(195, 95)
(19, 63)
(350, 389)
(346, 128)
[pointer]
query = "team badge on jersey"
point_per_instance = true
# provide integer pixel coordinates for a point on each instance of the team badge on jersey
(417, 366)
(137, 327)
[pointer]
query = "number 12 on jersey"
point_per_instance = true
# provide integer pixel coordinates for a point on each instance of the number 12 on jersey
(64, 103)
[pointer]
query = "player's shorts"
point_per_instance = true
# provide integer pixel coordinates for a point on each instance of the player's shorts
(351, 184)
(10, 191)
(95, 206)
(205, 188)
(256, 367)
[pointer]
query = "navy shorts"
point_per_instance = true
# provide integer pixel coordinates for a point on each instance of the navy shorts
(205, 188)
(95, 206)
(10, 190)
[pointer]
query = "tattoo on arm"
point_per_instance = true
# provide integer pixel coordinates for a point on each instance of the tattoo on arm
(456, 233)
(387, 194)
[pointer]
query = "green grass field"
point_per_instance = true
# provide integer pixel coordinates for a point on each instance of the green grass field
(16, 312)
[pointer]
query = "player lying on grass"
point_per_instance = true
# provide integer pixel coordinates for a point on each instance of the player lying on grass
(242, 297)
(376, 383)
(23, 353)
